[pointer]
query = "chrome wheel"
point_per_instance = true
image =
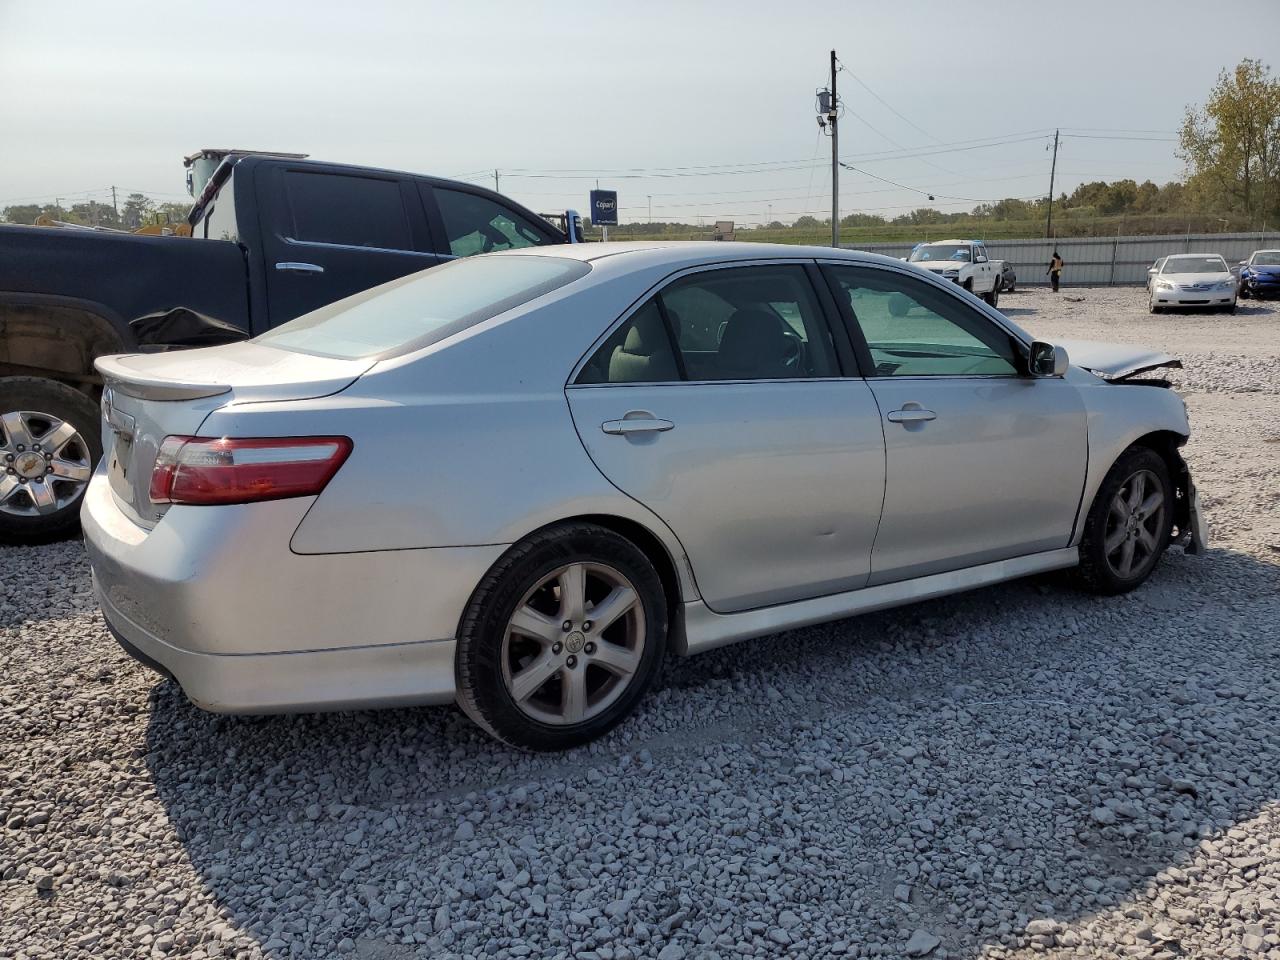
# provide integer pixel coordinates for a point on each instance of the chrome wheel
(46, 463)
(574, 644)
(1134, 522)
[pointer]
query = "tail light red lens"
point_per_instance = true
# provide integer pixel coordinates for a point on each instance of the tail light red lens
(207, 471)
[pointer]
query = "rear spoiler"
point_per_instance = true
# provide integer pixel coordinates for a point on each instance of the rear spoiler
(119, 376)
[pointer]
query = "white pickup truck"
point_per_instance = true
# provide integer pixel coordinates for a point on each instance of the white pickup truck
(964, 262)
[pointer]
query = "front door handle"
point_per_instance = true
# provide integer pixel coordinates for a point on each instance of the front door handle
(911, 415)
(293, 267)
(646, 424)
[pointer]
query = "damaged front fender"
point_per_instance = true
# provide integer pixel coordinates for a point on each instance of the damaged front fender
(1116, 361)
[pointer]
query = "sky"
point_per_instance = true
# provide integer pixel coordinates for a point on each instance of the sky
(693, 111)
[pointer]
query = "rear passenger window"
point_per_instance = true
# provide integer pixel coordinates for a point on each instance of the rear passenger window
(353, 211)
(476, 224)
(750, 323)
(639, 351)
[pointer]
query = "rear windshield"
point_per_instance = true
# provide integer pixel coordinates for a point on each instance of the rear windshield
(424, 308)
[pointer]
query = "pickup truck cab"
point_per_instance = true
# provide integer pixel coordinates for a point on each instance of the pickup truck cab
(271, 238)
(964, 262)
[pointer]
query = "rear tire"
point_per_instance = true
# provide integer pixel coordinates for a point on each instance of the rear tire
(531, 682)
(41, 503)
(1128, 525)
(992, 297)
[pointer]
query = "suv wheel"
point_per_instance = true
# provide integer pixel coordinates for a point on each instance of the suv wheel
(50, 442)
(562, 638)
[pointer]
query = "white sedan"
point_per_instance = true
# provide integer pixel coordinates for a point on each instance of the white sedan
(1192, 280)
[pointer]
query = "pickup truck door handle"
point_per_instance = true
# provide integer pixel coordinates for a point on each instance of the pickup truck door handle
(292, 267)
(911, 414)
(636, 424)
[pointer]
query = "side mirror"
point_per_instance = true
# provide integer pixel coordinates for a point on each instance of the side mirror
(1048, 360)
(980, 260)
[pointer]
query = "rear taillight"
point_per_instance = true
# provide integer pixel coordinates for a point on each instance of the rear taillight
(205, 471)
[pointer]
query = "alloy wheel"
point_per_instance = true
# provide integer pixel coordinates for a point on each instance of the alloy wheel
(45, 463)
(573, 644)
(1134, 521)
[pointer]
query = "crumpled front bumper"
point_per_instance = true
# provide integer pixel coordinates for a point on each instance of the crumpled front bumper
(1197, 530)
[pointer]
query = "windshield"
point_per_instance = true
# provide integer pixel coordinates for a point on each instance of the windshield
(1195, 265)
(932, 252)
(1266, 258)
(424, 308)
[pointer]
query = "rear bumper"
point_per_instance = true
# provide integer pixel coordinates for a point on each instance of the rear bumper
(214, 597)
(347, 678)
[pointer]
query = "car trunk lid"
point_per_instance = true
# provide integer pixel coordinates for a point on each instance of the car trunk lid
(148, 397)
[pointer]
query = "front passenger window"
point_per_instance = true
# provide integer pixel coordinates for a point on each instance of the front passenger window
(475, 224)
(914, 329)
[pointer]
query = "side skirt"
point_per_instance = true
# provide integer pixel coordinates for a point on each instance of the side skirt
(704, 629)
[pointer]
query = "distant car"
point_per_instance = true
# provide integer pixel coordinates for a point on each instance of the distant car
(520, 480)
(1153, 270)
(1192, 280)
(1007, 277)
(1259, 276)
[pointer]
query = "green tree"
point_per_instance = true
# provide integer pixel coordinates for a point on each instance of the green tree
(137, 210)
(1231, 145)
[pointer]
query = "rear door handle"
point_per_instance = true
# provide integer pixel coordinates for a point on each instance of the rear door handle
(293, 267)
(911, 415)
(636, 425)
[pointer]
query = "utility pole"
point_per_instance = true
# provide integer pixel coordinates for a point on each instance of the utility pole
(1053, 169)
(495, 182)
(835, 158)
(113, 203)
(650, 207)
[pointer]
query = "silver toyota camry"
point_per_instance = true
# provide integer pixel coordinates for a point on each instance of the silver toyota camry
(521, 480)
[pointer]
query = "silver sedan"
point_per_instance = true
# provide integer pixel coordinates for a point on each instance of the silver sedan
(520, 481)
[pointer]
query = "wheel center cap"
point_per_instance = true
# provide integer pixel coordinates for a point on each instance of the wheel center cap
(29, 465)
(574, 642)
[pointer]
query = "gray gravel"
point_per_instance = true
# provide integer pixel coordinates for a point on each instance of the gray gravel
(1021, 771)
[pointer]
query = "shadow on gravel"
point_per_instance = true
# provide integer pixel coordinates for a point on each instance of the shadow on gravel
(1018, 311)
(960, 767)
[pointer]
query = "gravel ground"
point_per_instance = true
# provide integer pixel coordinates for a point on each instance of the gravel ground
(1020, 771)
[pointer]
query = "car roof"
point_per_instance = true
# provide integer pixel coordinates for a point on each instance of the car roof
(1193, 256)
(628, 254)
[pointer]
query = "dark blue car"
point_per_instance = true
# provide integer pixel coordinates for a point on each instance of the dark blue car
(1260, 274)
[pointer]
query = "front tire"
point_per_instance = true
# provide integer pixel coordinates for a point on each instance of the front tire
(50, 441)
(1128, 525)
(562, 638)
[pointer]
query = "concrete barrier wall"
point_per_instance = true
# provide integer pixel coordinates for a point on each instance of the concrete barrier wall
(1102, 261)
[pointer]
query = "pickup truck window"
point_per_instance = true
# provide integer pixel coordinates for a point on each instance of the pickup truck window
(220, 218)
(423, 308)
(476, 224)
(348, 210)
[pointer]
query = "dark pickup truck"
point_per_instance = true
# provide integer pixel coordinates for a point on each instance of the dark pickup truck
(271, 239)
